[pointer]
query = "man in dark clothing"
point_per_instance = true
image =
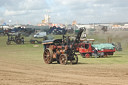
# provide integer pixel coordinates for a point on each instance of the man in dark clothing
(22, 40)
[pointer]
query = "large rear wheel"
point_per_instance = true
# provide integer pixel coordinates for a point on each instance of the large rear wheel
(48, 53)
(63, 59)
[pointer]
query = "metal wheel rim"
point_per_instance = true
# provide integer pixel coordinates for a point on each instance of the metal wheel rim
(87, 55)
(63, 59)
(47, 56)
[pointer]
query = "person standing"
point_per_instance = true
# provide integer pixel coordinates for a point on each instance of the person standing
(95, 52)
(22, 40)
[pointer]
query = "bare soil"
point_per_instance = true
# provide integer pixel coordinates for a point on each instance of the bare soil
(26, 73)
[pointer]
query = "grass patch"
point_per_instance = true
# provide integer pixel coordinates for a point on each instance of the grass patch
(29, 53)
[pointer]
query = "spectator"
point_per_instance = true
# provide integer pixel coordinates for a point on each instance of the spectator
(22, 40)
(95, 52)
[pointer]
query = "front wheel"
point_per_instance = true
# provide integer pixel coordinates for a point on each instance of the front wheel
(63, 59)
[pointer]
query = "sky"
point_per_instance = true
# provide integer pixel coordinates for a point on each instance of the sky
(63, 11)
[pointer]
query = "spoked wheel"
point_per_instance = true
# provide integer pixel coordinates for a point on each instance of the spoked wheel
(8, 42)
(87, 55)
(48, 53)
(63, 59)
(18, 41)
(75, 60)
(33, 42)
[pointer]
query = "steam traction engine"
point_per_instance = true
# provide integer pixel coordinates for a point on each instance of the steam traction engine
(61, 50)
(15, 37)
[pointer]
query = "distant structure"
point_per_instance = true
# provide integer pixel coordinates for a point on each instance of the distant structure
(46, 19)
(46, 22)
(74, 22)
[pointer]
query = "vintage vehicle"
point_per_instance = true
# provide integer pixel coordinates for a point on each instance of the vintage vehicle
(61, 50)
(40, 35)
(2, 32)
(87, 49)
(14, 37)
(32, 41)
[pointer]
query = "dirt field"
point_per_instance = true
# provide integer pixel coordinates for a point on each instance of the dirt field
(12, 73)
(23, 65)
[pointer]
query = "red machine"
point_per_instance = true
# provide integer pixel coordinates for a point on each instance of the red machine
(86, 50)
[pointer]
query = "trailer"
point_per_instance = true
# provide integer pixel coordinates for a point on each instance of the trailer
(87, 49)
(32, 41)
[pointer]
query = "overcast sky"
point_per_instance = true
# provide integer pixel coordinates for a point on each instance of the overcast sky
(63, 11)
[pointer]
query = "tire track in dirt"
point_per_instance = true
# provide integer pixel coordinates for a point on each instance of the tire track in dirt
(23, 73)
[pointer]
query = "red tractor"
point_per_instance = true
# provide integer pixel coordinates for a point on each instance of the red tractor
(61, 50)
(87, 50)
